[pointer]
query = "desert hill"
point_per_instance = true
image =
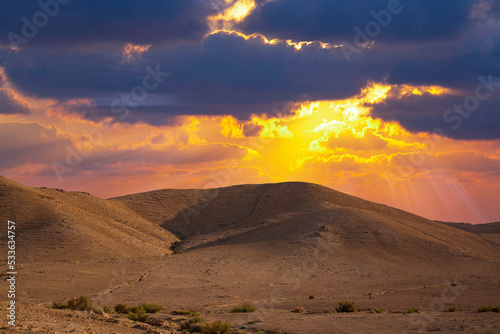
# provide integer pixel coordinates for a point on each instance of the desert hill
(270, 244)
(295, 213)
(53, 224)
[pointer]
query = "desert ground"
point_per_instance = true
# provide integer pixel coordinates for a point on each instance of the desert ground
(278, 247)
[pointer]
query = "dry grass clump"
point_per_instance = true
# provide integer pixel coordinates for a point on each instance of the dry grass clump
(245, 308)
(488, 308)
(82, 303)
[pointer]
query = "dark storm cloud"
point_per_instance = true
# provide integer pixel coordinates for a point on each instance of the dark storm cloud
(224, 75)
(428, 43)
(334, 20)
(94, 22)
(460, 116)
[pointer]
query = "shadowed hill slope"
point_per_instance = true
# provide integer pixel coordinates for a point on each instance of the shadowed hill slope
(290, 213)
(52, 224)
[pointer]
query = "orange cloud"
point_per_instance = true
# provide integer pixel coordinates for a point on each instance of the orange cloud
(231, 128)
(335, 143)
(133, 52)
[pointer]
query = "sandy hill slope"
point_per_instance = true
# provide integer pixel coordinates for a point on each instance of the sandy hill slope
(52, 224)
(271, 244)
(300, 213)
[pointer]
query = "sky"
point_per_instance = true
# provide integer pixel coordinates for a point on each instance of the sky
(396, 102)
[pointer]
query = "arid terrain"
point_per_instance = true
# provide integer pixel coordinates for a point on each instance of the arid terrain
(276, 246)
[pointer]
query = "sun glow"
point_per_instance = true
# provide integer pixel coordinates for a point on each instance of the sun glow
(338, 143)
(235, 13)
(297, 45)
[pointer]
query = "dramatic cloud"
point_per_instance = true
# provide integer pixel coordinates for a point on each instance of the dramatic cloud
(335, 20)
(10, 101)
(85, 23)
(397, 102)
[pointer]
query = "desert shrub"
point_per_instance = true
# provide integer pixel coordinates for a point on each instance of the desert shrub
(377, 310)
(97, 310)
(484, 308)
(189, 324)
(59, 306)
(151, 308)
(106, 308)
(244, 308)
(136, 309)
(121, 308)
(452, 309)
(495, 309)
(346, 307)
(311, 296)
(216, 327)
(260, 332)
(299, 310)
(186, 312)
(454, 284)
(82, 303)
(139, 315)
(412, 310)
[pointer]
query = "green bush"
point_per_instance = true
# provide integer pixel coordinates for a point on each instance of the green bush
(346, 307)
(82, 303)
(484, 308)
(190, 324)
(245, 308)
(139, 315)
(97, 310)
(59, 306)
(495, 309)
(311, 296)
(452, 309)
(151, 308)
(377, 310)
(106, 308)
(216, 327)
(136, 309)
(412, 310)
(121, 308)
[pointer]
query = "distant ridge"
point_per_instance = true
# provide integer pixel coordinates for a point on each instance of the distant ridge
(488, 228)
